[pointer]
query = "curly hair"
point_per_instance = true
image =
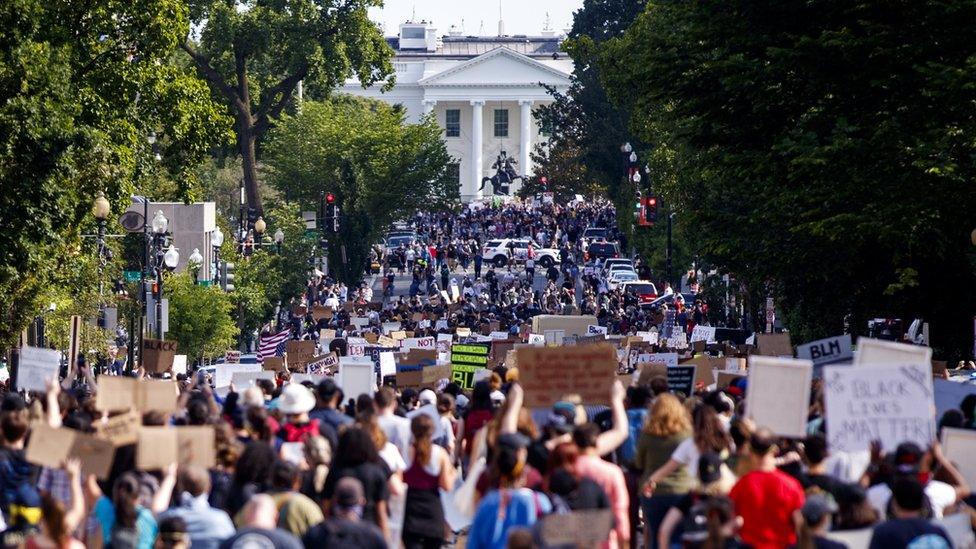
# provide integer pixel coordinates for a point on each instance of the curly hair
(668, 417)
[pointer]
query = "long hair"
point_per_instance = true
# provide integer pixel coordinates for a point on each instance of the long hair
(562, 458)
(668, 417)
(366, 420)
(52, 513)
(709, 433)
(422, 427)
(125, 496)
(356, 447)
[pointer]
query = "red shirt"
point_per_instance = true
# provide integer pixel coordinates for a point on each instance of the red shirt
(766, 502)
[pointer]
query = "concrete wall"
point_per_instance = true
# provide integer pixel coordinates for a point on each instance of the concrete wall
(190, 226)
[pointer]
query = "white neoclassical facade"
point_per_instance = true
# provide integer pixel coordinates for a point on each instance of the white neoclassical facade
(481, 91)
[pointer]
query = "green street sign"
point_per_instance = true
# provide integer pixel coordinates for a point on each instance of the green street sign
(131, 276)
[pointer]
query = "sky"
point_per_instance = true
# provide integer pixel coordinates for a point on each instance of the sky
(520, 16)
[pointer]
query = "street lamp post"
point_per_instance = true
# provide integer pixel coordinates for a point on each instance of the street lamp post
(101, 209)
(161, 260)
(216, 240)
(279, 237)
(195, 260)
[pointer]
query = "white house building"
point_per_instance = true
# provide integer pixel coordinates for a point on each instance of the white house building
(481, 90)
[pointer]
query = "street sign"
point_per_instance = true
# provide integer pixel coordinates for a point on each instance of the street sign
(131, 276)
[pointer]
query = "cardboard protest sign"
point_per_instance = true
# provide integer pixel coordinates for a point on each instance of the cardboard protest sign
(37, 367)
(588, 528)
(300, 353)
(356, 376)
(321, 312)
(681, 379)
(323, 364)
(232, 357)
(274, 364)
(466, 359)
(398, 335)
(444, 343)
(671, 359)
(49, 446)
(384, 341)
(651, 370)
(555, 337)
(299, 310)
(774, 344)
(224, 372)
(462, 331)
(121, 429)
(371, 338)
(594, 329)
(420, 356)
(548, 373)
(959, 447)
(890, 403)
(779, 394)
(355, 346)
(409, 378)
(433, 374)
(569, 324)
(123, 393)
(725, 378)
(827, 351)
(157, 448)
(877, 351)
(327, 334)
(157, 355)
(197, 445)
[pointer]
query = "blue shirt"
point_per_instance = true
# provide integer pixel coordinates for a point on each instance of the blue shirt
(635, 421)
(206, 525)
(492, 524)
(146, 527)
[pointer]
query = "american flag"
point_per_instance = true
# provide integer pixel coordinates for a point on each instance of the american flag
(273, 344)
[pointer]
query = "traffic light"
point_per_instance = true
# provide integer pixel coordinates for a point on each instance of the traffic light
(648, 211)
(227, 278)
(652, 209)
(544, 181)
(332, 213)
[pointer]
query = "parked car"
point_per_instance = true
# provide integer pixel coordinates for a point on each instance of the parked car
(645, 290)
(595, 233)
(620, 276)
(496, 251)
(612, 262)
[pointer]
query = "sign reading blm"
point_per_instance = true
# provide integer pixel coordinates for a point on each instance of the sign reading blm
(892, 404)
(827, 351)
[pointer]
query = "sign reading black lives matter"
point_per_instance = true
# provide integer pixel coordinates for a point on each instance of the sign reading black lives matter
(889, 403)
(466, 359)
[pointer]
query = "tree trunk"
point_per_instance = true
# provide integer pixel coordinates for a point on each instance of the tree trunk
(245, 144)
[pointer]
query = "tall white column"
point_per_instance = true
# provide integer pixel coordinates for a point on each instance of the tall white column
(429, 106)
(525, 117)
(477, 146)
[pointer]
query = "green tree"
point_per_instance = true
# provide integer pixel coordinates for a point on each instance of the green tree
(81, 86)
(255, 53)
(821, 152)
(200, 317)
(380, 168)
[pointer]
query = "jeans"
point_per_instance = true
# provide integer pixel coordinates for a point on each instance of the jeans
(655, 507)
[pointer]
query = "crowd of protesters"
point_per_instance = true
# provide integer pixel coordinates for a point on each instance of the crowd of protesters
(304, 464)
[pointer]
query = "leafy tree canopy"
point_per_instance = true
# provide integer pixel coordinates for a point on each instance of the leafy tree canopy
(380, 168)
(821, 151)
(200, 317)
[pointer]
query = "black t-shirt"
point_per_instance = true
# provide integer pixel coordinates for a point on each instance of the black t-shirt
(344, 534)
(901, 532)
(588, 495)
(375, 488)
(824, 543)
(830, 484)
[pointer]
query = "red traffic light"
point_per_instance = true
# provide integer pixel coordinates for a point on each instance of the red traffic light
(652, 201)
(330, 198)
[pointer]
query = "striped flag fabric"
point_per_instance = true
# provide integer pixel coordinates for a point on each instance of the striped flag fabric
(272, 344)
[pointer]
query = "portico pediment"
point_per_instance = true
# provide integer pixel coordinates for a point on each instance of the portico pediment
(498, 67)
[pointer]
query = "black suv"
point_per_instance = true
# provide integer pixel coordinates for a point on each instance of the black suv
(602, 250)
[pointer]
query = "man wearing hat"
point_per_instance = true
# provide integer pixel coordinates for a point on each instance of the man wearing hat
(295, 402)
(910, 460)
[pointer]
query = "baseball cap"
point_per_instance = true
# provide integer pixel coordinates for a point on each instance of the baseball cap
(816, 508)
(908, 457)
(561, 419)
(427, 397)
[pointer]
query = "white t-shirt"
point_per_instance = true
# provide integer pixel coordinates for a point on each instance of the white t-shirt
(687, 454)
(940, 494)
(391, 455)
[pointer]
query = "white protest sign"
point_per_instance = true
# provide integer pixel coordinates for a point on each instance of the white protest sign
(444, 342)
(224, 373)
(890, 403)
(440, 325)
(779, 394)
(243, 380)
(537, 339)
(391, 327)
(179, 364)
(959, 447)
(678, 340)
(498, 335)
(878, 351)
(301, 378)
(418, 343)
(827, 351)
(703, 333)
(356, 376)
(37, 366)
(387, 364)
(355, 346)
(649, 337)
(359, 321)
(555, 337)
(593, 329)
(670, 359)
(424, 324)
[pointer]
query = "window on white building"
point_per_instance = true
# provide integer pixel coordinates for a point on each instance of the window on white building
(452, 122)
(501, 122)
(412, 33)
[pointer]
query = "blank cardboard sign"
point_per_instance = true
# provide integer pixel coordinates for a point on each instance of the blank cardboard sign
(779, 394)
(959, 446)
(877, 351)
